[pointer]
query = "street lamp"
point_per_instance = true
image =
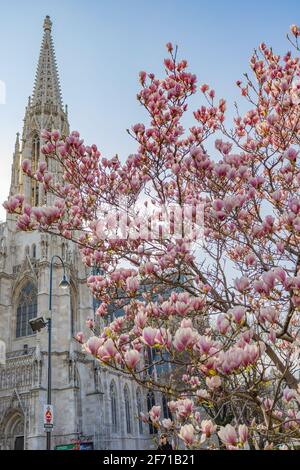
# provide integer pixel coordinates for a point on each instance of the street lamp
(38, 323)
(64, 283)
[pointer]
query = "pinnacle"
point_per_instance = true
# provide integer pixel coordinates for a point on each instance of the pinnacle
(47, 23)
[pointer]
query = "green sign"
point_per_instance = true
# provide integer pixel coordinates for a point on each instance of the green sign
(67, 447)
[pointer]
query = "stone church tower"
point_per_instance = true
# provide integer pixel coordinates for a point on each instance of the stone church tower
(91, 403)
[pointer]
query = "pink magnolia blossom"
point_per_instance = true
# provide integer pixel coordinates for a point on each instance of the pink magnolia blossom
(213, 382)
(132, 357)
(183, 338)
(223, 324)
(207, 427)
(90, 323)
(102, 310)
(79, 336)
(238, 314)
(242, 283)
(93, 344)
(184, 408)
(289, 394)
(154, 413)
(187, 434)
(167, 423)
(26, 166)
(149, 335)
(132, 284)
(228, 435)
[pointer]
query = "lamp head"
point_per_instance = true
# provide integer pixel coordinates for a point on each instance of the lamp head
(64, 283)
(37, 324)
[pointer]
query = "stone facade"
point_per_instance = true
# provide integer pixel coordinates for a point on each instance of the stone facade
(91, 403)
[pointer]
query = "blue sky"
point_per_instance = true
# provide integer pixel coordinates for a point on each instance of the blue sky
(102, 45)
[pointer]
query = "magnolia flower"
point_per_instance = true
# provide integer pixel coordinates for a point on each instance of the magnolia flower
(26, 166)
(228, 435)
(154, 413)
(184, 408)
(103, 354)
(79, 337)
(186, 322)
(222, 324)
(295, 30)
(149, 268)
(141, 319)
(13, 203)
(55, 135)
(164, 337)
(242, 283)
(90, 323)
(93, 344)
(172, 406)
(132, 284)
(110, 347)
(207, 429)
(204, 344)
(102, 310)
(183, 338)
(213, 382)
(202, 394)
(238, 314)
(289, 394)
(187, 434)
(149, 335)
(45, 134)
(167, 423)
(269, 314)
(132, 357)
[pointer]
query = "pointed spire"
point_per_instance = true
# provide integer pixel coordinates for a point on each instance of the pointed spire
(47, 87)
(47, 23)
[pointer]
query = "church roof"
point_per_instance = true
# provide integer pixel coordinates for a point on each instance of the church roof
(47, 87)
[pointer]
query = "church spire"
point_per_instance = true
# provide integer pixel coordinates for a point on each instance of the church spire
(47, 88)
(44, 111)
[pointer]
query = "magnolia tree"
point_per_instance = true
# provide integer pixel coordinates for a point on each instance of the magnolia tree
(209, 278)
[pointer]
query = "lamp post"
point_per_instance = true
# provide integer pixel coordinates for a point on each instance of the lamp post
(64, 283)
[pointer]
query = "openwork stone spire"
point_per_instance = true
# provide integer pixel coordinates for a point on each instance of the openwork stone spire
(47, 87)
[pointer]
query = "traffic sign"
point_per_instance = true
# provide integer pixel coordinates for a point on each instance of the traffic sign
(48, 417)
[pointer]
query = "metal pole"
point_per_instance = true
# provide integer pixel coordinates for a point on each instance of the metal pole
(49, 351)
(49, 342)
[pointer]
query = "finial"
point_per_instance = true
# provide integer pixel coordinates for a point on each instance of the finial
(47, 23)
(17, 144)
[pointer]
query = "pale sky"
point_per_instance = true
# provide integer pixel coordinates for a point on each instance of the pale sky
(102, 45)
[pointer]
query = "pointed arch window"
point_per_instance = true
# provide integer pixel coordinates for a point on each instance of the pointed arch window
(73, 302)
(26, 309)
(140, 409)
(113, 405)
(166, 412)
(127, 410)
